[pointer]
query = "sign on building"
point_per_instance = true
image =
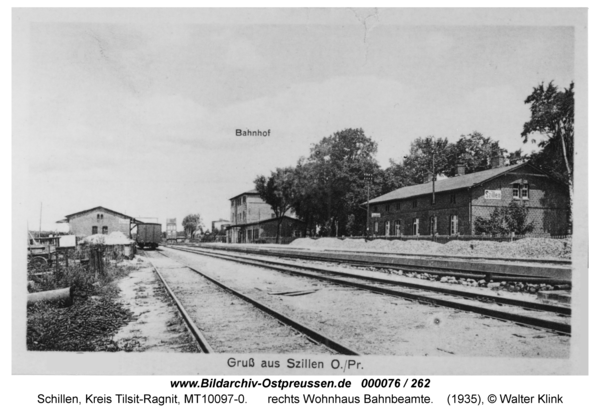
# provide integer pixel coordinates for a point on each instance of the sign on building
(375, 214)
(493, 194)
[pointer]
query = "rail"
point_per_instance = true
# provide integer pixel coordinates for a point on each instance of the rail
(312, 272)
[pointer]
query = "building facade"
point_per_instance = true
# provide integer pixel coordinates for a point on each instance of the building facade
(99, 220)
(253, 220)
(248, 207)
(460, 200)
(265, 231)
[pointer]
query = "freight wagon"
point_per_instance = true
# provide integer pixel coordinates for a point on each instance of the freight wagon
(148, 235)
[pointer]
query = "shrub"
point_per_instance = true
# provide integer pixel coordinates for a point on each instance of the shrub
(505, 220)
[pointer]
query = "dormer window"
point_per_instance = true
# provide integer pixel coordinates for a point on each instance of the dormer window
(525, 191)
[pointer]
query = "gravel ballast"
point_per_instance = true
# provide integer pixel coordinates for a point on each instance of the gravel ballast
(529, 248)
(381, 325)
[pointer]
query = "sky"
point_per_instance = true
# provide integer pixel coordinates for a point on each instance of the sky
(139, 115)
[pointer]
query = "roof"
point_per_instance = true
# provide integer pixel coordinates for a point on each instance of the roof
(264, 221)
(68, 216)
(448, 184)
(253, 191)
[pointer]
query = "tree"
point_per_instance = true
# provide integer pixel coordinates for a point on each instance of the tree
(516, 218)
(419, 162)
(553, 117)
(191, 223)
(418, 166)
(474, 151)
(278, 192)
(336, 169)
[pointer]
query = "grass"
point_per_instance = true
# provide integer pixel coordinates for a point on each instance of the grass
(89, 323)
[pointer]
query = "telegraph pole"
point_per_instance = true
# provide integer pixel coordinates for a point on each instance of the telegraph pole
(40, 232)
(433, 178)
(368, 178)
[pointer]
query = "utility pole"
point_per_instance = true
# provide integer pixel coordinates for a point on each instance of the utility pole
(368, 179)
(40, 232)
(433, 178)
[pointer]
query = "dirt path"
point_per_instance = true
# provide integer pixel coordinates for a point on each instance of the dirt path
(157, 326)
(229, 323)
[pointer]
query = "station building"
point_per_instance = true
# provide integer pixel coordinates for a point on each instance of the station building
(459, 200)
(252, 221)
(99, 220)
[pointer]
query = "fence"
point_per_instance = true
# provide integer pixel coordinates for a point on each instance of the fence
(273, 240)
(446, 238)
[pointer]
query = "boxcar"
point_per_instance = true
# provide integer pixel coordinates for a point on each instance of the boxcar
(148, 235)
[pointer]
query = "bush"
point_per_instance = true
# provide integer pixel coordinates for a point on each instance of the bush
(505, 220)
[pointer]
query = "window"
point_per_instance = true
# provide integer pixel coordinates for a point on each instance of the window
(244, 200)
(375, 208)
(99, 216)
(516, 190)
(414, 203)
(432, 225)
(94, 229)
(521, 191)
(452, 198)
(244, 216)
(387, 228)
(397, 206)
(453, 225)
(397, 228)
(104, 229)
(376, 227)
(415, 227)
(387, 208)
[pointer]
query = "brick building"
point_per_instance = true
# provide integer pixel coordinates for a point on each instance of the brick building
(460, 200)
(253, 220)
(99, 220)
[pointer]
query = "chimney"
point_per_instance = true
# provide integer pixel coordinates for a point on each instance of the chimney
(498, 159)
(461, 168)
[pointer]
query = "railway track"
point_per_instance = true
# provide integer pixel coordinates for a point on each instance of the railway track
(300, 331)
(534, 314)
(533, 271)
